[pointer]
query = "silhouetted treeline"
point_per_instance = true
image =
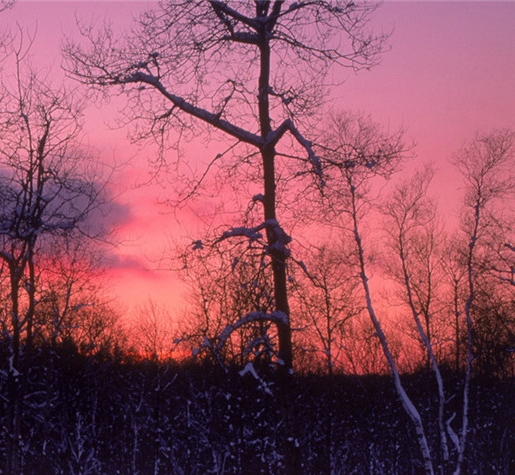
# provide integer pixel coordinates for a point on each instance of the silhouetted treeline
(111, 413)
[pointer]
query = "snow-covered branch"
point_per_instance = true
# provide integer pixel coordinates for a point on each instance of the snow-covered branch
(252, 233)
(251, 317)
(198, 112)
(288, 126)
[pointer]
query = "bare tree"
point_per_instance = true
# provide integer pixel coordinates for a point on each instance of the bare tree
(222, 290)
(413, 234)
(72, 304)
(152, 332)
(252, 73)
(411, 221)
(486, 166)
(354, 155)
(455, 277)
(251, 70)
(356, 152)
(327, 300)
(5, 38)
(46, 196)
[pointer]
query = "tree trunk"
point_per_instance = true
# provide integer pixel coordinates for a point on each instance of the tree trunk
(276, 241)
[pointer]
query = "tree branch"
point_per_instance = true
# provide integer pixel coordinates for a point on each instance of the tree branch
(195, 111)
(288, 126)
(222, 9)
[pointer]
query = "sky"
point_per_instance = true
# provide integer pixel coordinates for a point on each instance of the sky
(449, 73)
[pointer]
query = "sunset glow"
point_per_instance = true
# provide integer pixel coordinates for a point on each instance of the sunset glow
(257, 236)
(449, 74)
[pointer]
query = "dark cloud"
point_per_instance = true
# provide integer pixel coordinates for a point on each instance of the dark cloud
(128, 264)
(109, 216)
(117, 214)
(116, 261)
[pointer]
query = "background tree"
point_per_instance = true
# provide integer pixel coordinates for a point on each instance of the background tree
(48, 190)
(357, 151)
(494, 331)
(73, 307)
(222, 290)
(455, 278)
(152, 332)
(486, 166)
(327, 297)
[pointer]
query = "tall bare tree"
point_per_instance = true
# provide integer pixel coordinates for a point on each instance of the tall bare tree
(486, 165)
(411, 222)
(253, 71)
(357, 151)
(411, 226)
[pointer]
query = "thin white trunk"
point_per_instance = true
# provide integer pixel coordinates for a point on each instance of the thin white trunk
(408, 405)
(425, 340)
(469, 320)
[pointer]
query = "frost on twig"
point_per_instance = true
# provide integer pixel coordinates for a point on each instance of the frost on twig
(197, 245)
(279, 238)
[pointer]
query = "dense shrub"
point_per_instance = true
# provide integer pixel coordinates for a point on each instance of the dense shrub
(100, 415)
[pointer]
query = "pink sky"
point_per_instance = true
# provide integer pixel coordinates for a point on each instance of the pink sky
(450, 73)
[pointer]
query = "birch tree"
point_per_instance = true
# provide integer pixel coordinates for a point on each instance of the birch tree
(486, 165)
(411, 226)
(411, 216)
(354, 155)
(356, 152)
